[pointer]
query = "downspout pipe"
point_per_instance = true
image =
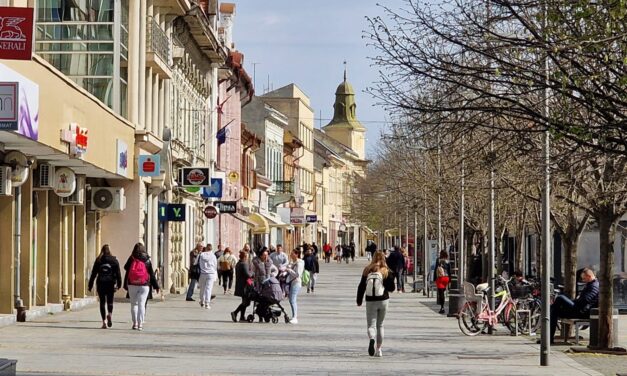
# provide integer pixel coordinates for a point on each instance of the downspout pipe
(17, 252)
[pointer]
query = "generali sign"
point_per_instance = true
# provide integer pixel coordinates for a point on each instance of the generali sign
(16, 33)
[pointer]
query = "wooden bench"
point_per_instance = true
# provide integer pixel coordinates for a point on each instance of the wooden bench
(577, 323)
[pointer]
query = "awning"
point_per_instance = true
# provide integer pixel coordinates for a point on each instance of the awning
(243, 219)
(391, 232)
(260, 223)
(275, 221)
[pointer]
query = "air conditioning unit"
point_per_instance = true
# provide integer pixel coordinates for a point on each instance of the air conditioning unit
(78, 197)
(5, 181)
(108, 199)
(43, 177)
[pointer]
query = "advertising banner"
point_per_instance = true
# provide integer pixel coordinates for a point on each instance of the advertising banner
(19, 103)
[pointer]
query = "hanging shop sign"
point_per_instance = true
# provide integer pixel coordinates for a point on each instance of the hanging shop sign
(215, 189)
(64, 182)
(172, 212)
(19, 104)
(149, 165)
(195, 176)
(122, 158)
(311, 218)
(77, 137)
(297, 216)
(16, 33)
(233, 177)
(226, 207)
(211, 211)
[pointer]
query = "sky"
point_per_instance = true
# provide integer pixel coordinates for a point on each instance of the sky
(306, 43)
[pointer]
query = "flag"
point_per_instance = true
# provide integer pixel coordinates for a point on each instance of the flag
(221, 136)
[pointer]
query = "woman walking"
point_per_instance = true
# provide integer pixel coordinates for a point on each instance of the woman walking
(294, 270)
(441, 276)
(243, 282)
(313, 267)
(226, 265)
(377, 281)
(106, 274)
(208, 274)
(139, 279)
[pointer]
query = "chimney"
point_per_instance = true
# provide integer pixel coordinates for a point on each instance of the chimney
(227, 16)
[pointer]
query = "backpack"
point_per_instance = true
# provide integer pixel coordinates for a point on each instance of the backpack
(440, 271)
(105, 273)
(374, 285)
(225, 264)
(138, 273)
(305, 278)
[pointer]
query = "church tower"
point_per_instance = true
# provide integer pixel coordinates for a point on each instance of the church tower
(345, 128)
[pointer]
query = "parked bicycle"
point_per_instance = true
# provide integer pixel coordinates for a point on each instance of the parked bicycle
(476, 314)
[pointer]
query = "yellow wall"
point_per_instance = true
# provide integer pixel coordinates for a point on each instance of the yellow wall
(62, 102)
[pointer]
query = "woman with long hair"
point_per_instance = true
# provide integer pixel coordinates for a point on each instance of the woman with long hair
(377, 281)
(139, 279)
(294, 269)
(106, 274)
(243, 282)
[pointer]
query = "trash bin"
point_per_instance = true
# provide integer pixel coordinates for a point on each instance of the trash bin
(594, 327)
(455, 297)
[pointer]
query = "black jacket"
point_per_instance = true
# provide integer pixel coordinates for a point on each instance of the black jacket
(311, 264)
(388, 284)
(242, 273)
(396, 261)
(115, 268)
(588, 298)
(146, 259)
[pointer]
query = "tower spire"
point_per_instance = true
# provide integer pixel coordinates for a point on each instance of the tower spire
(344, 70)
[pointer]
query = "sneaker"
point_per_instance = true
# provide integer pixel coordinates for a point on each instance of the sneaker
(294, 320)
(104, 325)
(242, 319)
(379, 353)
(202, 304)
(308, 291)
(441, 311)
(371, 347)
(109, 322)
(207, 306)
(189, 300)
(134, 326)
(234, 316)
(140, 328)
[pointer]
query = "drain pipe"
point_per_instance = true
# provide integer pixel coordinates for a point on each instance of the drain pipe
(19, 304)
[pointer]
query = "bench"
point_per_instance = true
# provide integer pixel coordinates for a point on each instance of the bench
(577, 323)
(8, 367)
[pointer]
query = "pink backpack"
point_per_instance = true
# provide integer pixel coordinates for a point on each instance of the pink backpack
(138, 273)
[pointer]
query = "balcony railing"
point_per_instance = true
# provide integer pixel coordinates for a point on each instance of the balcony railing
(157, 41)
(283, 187)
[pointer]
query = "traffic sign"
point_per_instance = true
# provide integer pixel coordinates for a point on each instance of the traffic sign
(214, 190)
(211, 211)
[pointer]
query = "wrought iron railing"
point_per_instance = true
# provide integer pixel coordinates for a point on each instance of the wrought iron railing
(157, 41)
(283, 187)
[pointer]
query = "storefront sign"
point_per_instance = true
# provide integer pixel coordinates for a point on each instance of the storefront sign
(9, 113)
(214, 190)
(312, 218)
(77, 137)
(195, 176)
(297, 216)
(19, 103)
(122, 158)
(226, 207)
(211, 211)
(16, 33)
(64, 182)
(172, 212)
(149, 165)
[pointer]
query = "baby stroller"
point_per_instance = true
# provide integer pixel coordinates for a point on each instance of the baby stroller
(267, 302)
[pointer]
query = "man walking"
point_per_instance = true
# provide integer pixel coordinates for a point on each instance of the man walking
(279, 258)
(193, 271)
(208, 275)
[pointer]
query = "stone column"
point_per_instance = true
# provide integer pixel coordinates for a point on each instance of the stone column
(7, 214)
(55, 227)
(42, 249)
(141, 67)
(80, 247)
(149, 97)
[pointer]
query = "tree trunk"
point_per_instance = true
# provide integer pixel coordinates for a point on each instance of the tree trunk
(605, 219)
(498, 255)
(570, 264)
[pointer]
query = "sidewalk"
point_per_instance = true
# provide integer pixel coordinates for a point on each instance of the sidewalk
(180, 338)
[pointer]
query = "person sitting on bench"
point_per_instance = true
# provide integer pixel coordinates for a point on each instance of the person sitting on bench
(563, 307)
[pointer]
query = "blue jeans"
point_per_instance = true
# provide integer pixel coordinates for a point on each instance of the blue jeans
(563, 307)
(294, 290)
(191, 287)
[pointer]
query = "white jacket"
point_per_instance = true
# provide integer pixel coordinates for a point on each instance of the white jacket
(208, 263)
(295, 270)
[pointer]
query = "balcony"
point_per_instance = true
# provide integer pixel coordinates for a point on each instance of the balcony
(283, 187)
(158, 49)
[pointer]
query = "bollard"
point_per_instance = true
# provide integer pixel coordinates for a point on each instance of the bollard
(455, 297)
(594, 328)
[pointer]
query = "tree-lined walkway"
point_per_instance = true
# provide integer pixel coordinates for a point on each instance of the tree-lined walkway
(180, 338)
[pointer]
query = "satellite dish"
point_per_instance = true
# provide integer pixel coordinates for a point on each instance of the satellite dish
(19, 167)
(64, 182)
(102, 198)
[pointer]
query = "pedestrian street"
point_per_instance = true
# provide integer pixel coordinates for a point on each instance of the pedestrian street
(180, 338)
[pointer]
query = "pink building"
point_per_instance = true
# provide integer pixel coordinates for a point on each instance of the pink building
(235, 91)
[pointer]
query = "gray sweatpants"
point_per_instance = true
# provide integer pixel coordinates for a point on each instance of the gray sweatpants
(375, 314)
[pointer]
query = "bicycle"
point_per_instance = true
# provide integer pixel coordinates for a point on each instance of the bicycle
(476, 314)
